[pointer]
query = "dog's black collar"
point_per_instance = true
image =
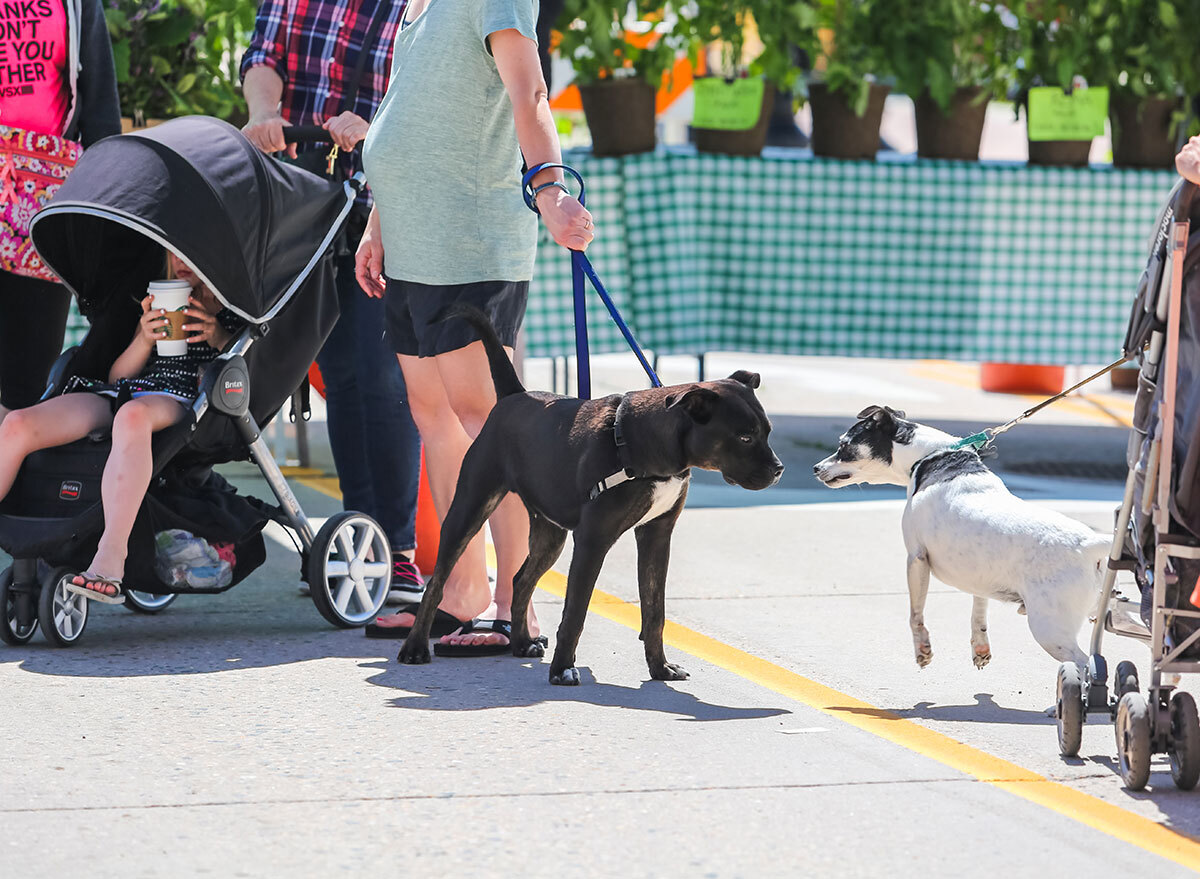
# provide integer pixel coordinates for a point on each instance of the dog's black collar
(920, 464)
(626, 472)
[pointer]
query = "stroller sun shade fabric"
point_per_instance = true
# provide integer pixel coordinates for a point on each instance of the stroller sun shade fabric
(249, 225)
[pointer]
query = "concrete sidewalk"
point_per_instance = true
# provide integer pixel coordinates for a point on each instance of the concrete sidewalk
(240, 735)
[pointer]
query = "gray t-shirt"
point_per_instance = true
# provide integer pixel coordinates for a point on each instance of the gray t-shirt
(442, 155)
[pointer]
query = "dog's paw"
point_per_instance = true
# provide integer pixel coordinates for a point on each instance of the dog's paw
(983, 655)
(528, 650)
(669, 671)
(414, 653)
(568, 677)
(924, 654)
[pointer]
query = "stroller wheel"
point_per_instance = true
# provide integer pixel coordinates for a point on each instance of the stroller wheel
(350, 569)
(18, 612)
(1127, 678)
(1184, 745)
(63, 614)
(147, 602)
(1133, 740)
(1068, 709)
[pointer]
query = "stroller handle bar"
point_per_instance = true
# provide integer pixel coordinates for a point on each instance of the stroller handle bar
(1183, 199)
(306, 134)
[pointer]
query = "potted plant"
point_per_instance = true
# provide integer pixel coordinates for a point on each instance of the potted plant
(951, 57)
(848, 49)
(1058, 48)
(748, 51)
(178, 57)
(620, 51)
(1148, 48)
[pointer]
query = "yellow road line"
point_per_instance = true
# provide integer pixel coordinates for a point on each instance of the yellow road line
(315, 479)
(1084, 808)
(1024, 783)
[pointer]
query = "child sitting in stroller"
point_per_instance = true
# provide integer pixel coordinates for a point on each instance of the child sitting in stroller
(144, 393)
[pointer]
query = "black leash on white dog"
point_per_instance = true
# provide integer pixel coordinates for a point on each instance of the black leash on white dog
(983, 439)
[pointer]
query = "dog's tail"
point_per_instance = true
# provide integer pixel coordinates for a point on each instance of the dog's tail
(504, 375)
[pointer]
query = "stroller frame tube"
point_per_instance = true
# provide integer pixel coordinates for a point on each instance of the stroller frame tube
(260, 453)
(1162, 351)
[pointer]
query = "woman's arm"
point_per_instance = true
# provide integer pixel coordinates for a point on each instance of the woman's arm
(368, 259)
(99, 112)
(150, 328)
(263, 87)
(517, 60)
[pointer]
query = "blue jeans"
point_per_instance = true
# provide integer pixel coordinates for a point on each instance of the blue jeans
(376, 447)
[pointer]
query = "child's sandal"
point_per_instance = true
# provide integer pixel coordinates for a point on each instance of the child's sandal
(117, 597)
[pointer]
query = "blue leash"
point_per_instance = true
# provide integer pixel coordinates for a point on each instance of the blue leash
(581, 267)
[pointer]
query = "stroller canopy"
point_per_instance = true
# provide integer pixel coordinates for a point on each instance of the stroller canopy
(252, 228)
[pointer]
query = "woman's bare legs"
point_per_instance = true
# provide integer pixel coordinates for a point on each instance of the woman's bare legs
(55, 422)
(126, 477)
(467, 381)
(451, 395)
(467, 592)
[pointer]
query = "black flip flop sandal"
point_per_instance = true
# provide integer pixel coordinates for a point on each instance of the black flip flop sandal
(503, 627)
(443, 624)
(499, 627)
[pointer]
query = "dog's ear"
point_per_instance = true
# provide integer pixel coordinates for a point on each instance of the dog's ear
(749, 379)
(698, 402)
(883, 417)
(896, 413)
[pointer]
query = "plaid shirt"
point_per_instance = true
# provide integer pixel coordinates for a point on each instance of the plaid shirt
(314, 46)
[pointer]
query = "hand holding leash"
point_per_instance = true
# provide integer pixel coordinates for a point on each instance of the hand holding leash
(567, 220)
(581, 267)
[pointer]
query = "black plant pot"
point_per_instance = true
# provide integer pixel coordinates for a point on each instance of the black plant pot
(838, 132)
(620, 116)
(953, 135)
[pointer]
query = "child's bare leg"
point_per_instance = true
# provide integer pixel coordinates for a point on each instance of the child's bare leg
(126, 478)
(55, 422)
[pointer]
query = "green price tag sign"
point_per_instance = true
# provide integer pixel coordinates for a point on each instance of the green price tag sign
(1055, 115)
(729, 106)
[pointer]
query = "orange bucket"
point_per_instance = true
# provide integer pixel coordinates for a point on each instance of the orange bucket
(1021, 378)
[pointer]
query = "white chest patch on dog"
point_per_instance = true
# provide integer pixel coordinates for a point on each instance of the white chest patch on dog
(666, 493)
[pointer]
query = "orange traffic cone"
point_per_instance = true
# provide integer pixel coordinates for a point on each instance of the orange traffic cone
(429, 528)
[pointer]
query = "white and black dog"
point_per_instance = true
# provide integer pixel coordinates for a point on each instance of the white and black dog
(962, 524)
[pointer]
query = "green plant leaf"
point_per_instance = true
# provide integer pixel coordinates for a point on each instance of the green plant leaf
(117, 21)
(121, 60)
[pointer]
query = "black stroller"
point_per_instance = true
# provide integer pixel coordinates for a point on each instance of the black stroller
(1157, 534)
(260, 235)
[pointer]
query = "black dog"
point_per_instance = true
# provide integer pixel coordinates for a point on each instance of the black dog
(598, 468)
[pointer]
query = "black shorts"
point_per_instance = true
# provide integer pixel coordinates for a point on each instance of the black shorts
(412, 310)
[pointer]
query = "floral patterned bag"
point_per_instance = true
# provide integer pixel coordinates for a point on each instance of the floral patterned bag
(32, 168)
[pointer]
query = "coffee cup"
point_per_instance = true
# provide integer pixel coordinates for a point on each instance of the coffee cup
(171, 296)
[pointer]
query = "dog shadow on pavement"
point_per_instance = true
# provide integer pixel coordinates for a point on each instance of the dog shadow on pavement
(505, 682)
(216, 634)
(985, 710)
